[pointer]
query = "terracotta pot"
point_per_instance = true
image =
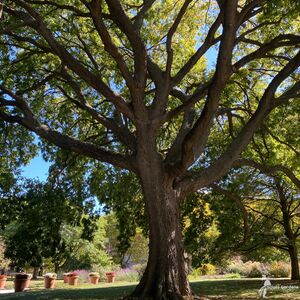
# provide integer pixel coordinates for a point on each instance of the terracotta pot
(73, 280)
(94, 279)
(50, 282)
(66, 278)
(111, 276)
(27, 284)
(3, 279)
(22, 281)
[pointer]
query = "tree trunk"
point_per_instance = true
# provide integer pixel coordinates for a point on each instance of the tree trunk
(165, 276)
(288, 230)
(56, 268)
(295, 272)
(35, 272)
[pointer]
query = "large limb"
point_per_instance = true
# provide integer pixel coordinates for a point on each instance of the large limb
(232, 153)
(93, 80)
(197, 136)
(97, 16)
(140, 55)
(63, 141)
(119, 130)
(267, 169)
(139, 18)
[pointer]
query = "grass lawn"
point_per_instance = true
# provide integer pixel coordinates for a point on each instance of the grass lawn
(217, 289)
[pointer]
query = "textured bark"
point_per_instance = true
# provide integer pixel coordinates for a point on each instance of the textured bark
(289, 233)
(35, 272)
(165, 276)
(295, 272)
(166, 273)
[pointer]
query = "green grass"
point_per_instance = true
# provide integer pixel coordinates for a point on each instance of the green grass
(242, 289)
(219, 289)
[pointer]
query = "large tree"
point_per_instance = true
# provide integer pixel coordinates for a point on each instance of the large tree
(125, 83)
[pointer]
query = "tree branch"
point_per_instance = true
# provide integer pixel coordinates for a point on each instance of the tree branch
(195, 140)
(63, 141)
(93, 80)
(226, 160)
(268, 170)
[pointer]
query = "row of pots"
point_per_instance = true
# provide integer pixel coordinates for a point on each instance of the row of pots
(72, 278)
(22, 280)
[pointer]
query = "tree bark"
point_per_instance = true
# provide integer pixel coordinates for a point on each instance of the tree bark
(288, 230)
(35, 272)
(295, 272)
(165, 276)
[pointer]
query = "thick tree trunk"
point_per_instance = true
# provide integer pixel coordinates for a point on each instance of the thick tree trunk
(165, 276)
(56, 268)
(35, 272)
(295, 272)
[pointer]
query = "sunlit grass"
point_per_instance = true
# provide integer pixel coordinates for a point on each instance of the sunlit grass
(227, 289)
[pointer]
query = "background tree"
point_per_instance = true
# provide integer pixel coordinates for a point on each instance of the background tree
(266, 211)
(91, 77)
(34, 230)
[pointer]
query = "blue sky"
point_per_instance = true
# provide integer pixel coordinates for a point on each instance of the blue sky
(37, 169)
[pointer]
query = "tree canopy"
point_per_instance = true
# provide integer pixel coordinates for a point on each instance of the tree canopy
(127, 84)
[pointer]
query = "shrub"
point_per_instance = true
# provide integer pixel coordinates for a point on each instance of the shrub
(127, 275)
(279, 269)
(247, 269)
(205, 269)
(50, 275)
(254, 269)
(140, 268)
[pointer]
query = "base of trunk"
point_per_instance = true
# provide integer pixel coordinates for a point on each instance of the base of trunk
(163, 282)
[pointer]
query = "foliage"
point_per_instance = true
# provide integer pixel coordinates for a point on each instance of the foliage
(205, 269)
(128, 275)
(232, 275)
(4, 262)
(34, 232)
(140, 268)
(280, 269)
(247, 269)
(199, 230)
(137, 108)
(81, 253)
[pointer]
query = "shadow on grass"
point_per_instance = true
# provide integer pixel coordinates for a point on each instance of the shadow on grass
(66, 294)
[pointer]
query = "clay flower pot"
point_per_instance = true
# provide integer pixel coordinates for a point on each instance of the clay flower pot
(111, 276)
(66, 277)
(28, 281)
(94, 278)
(3, 279)
(50, 280)
(73, 279)
(21, 282)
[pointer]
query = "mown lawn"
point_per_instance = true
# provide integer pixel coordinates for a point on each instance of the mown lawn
(217, 289)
